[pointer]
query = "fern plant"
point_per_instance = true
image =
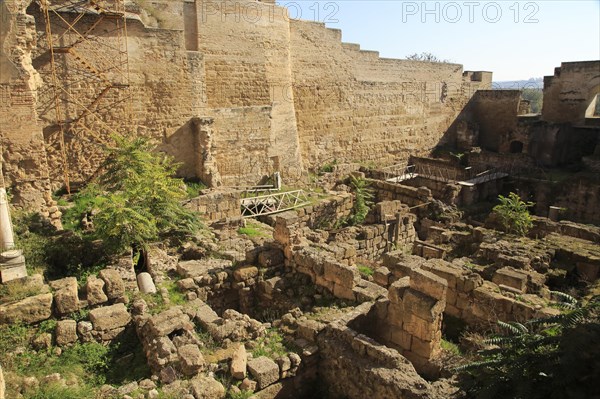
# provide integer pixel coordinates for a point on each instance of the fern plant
(551, 357)
(363, 200)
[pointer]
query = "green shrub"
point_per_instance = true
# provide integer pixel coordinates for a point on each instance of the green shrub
(513, 214)
(365, 271)
(58, 391)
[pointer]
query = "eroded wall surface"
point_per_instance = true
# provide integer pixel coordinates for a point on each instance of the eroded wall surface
(569, 93)
(352, 105)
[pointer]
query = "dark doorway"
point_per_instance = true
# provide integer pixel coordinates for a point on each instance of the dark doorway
(516, 147)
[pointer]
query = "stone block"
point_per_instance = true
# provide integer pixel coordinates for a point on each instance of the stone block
(66, 332)
(110, 317)
(271, 257)
(342, 292)
(264, 370)
(166, 322)
(511, 278)
(191, 359)
(422, 329)
(401, 338)
(95, 291)
(114, 286)
(29, 310)
(206, 387)
(341, 274)
(66, 298)
(382, 276)
(429, 284)
(245, 273)
(423, 306)
(239, 362)
(426, 349)
(397, 290)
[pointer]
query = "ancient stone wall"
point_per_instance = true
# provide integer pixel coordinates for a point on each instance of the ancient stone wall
(21, 141)
(580, 197)
(248, 85)
(217, 205)
(353, 105)
(496, 113)
(570, 91)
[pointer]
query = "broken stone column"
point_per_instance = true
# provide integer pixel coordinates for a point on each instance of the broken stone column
(2, 385)
(145, 283)
(206, 164)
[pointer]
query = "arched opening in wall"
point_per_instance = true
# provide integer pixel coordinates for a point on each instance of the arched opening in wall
(516, 147)
(593, 109)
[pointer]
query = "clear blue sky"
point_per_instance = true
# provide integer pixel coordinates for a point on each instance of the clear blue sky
(513, 39)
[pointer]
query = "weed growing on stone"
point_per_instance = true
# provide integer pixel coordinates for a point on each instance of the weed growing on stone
(365, 271)
(271, 345)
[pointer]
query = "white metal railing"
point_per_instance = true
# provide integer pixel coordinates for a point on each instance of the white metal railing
(273, 203)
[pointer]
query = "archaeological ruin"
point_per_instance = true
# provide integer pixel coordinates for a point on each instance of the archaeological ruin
(352, 242)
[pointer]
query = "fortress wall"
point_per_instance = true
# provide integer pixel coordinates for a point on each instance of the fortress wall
(352, 105)
(247, 62)
(23, 156)
(570, 91)
(165, 90)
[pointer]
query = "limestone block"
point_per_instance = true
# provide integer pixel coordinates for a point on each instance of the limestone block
(145, 283)
(271, 257)
(429, 284)
(66, 332)
(245, 273)
(368, 291)
(511, 278)
(66, 299)
(205, 387)
(29, 310)
(426, 349)
(382, 276)
(248, 385)
(401, 338)
(84, 330)
(239, 362)
(397, 290)
(264, 370)
(186, 284)
(341, 274)
(191, 359)
(342, 292)
(115, 288)
(110, 317)
(588, 271)
(422, 305)
(166, 322)
(205, 316)
(197, 268)
(95, 291)
(422, 329)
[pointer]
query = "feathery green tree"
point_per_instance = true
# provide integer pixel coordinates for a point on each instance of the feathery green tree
(136, 197)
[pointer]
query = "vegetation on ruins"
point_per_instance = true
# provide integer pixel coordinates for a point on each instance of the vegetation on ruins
(136, 198)
(363, 200)
(535, 97)
(513, 214)
(425, 56)
(551, 357)
(87, 365)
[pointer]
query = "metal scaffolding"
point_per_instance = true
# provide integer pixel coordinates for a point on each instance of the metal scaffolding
(88, 59)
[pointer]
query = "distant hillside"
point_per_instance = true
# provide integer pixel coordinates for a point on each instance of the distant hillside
(532, 83)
